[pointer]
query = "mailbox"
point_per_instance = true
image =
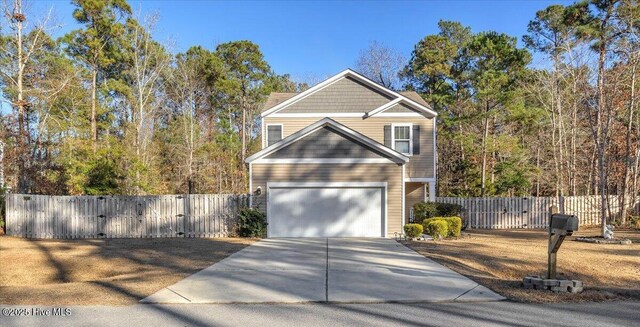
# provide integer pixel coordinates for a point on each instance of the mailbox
(560, 226)
(564, 224)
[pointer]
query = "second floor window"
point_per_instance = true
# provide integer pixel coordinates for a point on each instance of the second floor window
(402, 138)
(274, 133)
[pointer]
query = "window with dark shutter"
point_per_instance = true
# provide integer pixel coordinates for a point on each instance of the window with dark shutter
(402, 138)
(274, 134)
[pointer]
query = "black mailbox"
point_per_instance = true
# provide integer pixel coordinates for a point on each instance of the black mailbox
(560, 226)
(563, 224)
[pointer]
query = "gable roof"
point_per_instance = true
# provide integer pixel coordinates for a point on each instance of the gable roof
(393, 155)
(276, 98)
(279, 101)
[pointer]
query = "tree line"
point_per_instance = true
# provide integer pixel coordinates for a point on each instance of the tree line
(109, 109)
(508, 127)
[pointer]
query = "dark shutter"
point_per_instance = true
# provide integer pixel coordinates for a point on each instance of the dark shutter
(274, 134)
(387, 135)
(416, 139)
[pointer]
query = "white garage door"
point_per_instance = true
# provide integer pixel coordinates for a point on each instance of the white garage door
(325, 211)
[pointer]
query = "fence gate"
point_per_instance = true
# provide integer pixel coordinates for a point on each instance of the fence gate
(533, 212)
(196, 215)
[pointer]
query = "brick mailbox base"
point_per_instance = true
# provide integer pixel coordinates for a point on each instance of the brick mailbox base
(555, 285)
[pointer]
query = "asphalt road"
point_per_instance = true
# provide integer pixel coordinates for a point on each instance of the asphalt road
(384, 314)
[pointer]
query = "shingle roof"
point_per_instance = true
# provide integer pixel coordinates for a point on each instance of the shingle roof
(415, 97)
(276, 98)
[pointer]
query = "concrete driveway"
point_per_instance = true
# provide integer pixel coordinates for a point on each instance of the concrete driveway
(334, 270)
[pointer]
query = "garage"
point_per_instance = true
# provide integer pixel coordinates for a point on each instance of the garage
(326, 209)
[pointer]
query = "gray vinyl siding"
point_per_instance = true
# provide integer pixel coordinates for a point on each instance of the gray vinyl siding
(390, 173)
(344, 95)
(419, 166)
(325, 143)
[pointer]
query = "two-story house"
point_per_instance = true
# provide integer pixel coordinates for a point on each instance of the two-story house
(345, 158)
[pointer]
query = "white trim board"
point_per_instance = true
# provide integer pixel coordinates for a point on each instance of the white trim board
(327, 184)
(323, 161)
(435, 151)
(250, 185)
(380, 110)
(344, 114)
(403, 197)
(420, 179)
(339, 76)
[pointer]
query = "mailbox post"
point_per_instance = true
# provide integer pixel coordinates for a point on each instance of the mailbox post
(560, 226)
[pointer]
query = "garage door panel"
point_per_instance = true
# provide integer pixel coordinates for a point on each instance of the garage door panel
(325, 212)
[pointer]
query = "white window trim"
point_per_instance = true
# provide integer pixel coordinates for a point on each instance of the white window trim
(393, 137)
(267, 132)
(382, 185)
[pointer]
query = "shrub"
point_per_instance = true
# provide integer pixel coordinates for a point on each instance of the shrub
(437, 228)
(449, 209)
(424, 210)
(413, 230)
(455, 225)
(634, 222)
(252, 223)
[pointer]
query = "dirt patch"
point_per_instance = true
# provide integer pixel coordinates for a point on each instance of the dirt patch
(499, 259)
(106, 272)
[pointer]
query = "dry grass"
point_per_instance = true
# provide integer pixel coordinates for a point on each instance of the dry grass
(107, 271)
(499, 259)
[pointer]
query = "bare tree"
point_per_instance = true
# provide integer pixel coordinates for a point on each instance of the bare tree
(25, 42)
(381, 64)
(149, 61)
(188, 94)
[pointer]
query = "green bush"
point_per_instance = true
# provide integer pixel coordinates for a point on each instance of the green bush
(634, 222)
(413, 230)
(455, 225)
(436, 227)
(252, 223)
(449, 209)
(424, 210)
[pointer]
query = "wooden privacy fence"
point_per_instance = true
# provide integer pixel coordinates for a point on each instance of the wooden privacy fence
(533, 212)
(199, 215)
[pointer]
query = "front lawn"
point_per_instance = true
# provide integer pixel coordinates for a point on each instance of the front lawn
(105, 271)
(499, 259)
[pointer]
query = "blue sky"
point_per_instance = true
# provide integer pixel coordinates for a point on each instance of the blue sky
(313, 40)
